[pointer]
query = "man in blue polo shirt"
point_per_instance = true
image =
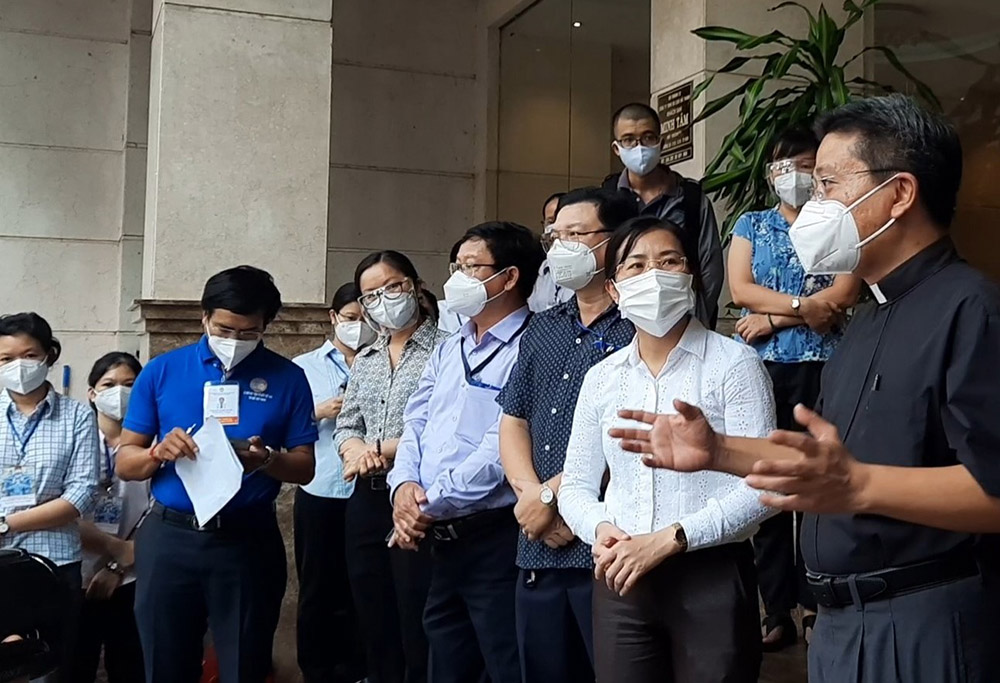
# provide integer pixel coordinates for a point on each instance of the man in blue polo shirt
(229, 573)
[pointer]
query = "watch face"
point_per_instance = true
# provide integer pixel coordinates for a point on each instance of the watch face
(548, 496)
(4, 528)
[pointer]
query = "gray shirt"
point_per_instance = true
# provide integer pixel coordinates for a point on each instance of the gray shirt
(376, 394)
(670, 206)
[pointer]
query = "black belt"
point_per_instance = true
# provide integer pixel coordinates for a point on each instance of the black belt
(464, 527)
(377, 482)
(841, 591)
(242, 518)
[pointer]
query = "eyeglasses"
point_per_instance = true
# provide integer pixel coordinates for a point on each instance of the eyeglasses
(637, 265)
(391, 291)
(469, 269)
(646, 139)
(822, 185)
(229, 333)
(549, 238)
(782, 166)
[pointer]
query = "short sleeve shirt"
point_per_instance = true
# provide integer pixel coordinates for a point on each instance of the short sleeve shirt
(275, 404)
(776, 266)
(556, 353)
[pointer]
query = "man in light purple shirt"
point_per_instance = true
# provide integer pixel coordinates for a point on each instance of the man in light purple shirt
(447, 484)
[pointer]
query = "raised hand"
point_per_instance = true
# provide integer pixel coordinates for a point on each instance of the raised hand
(684, 442)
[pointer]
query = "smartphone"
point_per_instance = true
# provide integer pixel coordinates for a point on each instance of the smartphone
(240, 444)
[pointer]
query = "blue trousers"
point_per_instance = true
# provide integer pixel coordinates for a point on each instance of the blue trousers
(231, 580)
(555, 625)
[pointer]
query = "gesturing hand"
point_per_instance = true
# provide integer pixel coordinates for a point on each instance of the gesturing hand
(825, 479)
(684, 442)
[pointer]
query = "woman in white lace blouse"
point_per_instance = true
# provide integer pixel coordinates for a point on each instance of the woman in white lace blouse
(676, 593)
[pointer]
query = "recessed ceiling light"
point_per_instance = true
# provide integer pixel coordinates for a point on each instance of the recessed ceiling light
(577, 24)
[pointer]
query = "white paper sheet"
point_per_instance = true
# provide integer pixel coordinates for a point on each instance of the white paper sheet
(213, 478)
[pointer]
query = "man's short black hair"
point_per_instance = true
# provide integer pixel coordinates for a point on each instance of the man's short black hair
(347, 293)
(793, 142)
(613, 207)
(35, 326)
(897, 134)
(244, 290)
(510, 244)
(635, 111)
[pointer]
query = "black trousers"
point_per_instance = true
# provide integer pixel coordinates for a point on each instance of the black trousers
(944, 634)
(231, 581)
(109, 625)
(780, 569)
(469, 618)
(389, 588)
(555, 625)
(692, 619)
(65, 647)
(329, 649)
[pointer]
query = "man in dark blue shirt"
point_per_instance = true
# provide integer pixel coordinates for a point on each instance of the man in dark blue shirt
(227, 572)
(558, 348)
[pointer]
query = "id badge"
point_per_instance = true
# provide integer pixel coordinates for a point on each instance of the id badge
(17, 488)
(222, 401)
(108, 513)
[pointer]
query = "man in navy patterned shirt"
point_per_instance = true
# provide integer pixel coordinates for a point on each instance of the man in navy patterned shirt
(560, 345)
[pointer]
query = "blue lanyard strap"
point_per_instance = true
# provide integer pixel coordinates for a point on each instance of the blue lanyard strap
(33, 423)
(109, 466)
(470, 373)
(598, 342)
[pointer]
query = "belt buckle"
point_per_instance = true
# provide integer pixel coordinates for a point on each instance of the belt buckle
(378, 484)
(445, 533)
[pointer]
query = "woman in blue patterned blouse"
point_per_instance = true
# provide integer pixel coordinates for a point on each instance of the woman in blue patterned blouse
(793, 320)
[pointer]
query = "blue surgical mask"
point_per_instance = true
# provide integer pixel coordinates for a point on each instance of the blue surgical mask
(640, 159)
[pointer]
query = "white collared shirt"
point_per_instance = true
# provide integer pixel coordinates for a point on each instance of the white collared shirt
(727, 381)
(327, 372)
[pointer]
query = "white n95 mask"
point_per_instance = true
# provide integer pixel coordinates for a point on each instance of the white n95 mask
(466, 295)
(573, 264)
(113, 402)
(354, 333)
(231, 351)
(825, 236)
(640, 159)
(22, 376)
(794, 188)
(656, 300)
(394, 314)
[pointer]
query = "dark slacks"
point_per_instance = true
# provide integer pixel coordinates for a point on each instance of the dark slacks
(389, 588)
(554, 610)
(693, 619)
(109, 625)
(469, 619)
(231, 581)
(945, 634)
(780, 569)
(329, 649)
(65, 647)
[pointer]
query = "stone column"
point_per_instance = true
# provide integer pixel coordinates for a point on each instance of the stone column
(239, 146)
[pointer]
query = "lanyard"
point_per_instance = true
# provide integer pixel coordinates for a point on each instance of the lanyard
(470, 373)
(342, 385)
(598, 343)
(108, 465)
(32, 426)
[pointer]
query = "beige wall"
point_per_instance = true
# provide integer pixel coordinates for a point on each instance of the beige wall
(72, 159)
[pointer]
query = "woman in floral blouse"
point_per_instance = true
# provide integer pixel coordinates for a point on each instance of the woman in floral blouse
(389, 585)
(794, 322)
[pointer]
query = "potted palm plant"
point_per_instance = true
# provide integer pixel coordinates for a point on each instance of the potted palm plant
(799, 78)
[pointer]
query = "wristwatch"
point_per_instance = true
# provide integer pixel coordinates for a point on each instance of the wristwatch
(547, 496)
(4, 526)
(269, 458)
(115, 568)
(680, 537)
(796, 304)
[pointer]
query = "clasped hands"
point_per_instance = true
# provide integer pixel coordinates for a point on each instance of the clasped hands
(814, 472)
(362, 460)
(538, 521)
